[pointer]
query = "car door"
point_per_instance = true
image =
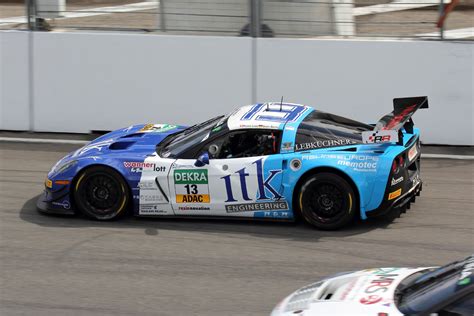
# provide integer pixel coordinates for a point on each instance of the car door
(154, 195)
(244, 181)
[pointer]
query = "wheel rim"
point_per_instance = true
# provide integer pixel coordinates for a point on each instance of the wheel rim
(325, 201)
(101, 194)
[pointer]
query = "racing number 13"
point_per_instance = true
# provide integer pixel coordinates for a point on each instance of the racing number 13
(191, 186)
(191, 189)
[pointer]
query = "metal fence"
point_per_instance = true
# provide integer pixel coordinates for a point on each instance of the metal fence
(257, 18)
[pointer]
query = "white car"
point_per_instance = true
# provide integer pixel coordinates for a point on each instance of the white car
(433, 291)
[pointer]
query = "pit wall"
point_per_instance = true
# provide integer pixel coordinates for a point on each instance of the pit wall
(77, 82)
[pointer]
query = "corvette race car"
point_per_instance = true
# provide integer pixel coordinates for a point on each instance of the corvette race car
(433, 291)
(264, 161)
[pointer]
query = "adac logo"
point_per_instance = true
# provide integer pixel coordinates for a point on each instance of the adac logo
(265, 190)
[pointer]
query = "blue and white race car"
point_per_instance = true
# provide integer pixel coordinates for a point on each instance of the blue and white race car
(264, 161)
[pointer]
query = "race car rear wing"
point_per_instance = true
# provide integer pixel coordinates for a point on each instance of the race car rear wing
(388, 127)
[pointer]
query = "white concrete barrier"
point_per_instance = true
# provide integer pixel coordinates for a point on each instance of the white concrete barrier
(87, 82)
(102, 81)
(14, 81)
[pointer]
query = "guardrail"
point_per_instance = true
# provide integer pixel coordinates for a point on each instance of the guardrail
(256, 18)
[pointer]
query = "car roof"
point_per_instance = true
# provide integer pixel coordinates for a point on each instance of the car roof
(270, 115)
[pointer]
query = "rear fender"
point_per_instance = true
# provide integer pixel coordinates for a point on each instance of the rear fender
(315, 162)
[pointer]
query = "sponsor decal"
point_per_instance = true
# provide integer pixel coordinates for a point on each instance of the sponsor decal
(150, 210)
(371, 299)
(191, 186)
(356, 162)
(295, 164)
(64, 204)
(265, 190)
(324, 143)
(193, 198)
(385, 278)
(466, 273)
(380, 136)
(193, 208)
(412, 153)
(250, 207)
(272, 214)
(48, 183)
(396, 181)
(266, 126)
(395, 194)
(157, 128)
(147, 185)
(150, 197)
(137, 166)
(287, 146)
(360, 163)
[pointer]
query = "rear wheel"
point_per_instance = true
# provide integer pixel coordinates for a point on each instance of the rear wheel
(101, 193)
(327, 201)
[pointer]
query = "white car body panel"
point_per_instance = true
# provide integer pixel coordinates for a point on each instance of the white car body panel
(361, 293)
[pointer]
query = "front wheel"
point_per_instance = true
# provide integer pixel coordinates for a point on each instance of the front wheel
(327, 201)
(101, 193)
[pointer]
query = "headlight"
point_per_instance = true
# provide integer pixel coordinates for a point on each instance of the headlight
(63, 167)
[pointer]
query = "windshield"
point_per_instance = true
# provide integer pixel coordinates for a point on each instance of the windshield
(179, 142)
(434, 286)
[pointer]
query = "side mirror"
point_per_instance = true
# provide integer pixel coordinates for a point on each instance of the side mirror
(202, 160)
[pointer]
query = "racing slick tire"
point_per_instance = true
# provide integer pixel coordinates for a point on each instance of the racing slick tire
(101, 193)
(327, 201)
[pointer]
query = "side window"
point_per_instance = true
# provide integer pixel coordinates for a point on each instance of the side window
(244, 143)
(462, 307)
(322, 130)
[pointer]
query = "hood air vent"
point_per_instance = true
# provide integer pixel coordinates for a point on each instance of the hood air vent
(120, 145)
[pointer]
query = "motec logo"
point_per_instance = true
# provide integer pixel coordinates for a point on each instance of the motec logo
(265, 190)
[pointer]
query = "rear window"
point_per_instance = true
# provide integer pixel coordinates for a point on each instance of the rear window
(322, 130)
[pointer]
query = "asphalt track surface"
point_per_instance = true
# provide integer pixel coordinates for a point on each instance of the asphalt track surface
(72, 266)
